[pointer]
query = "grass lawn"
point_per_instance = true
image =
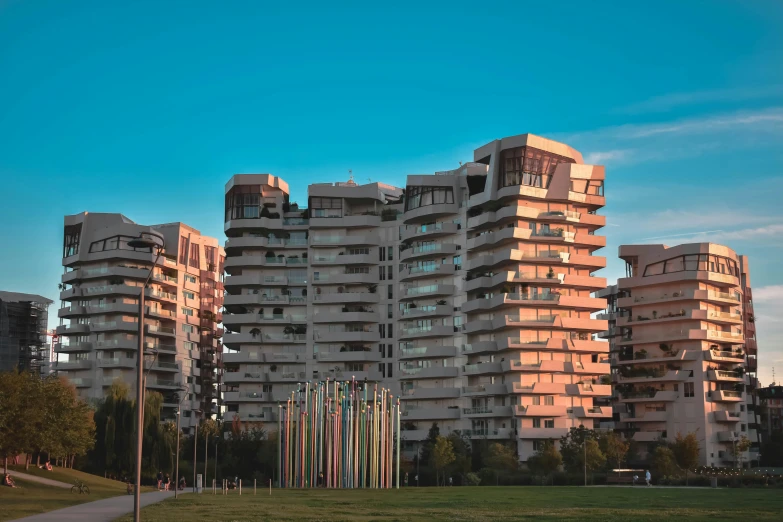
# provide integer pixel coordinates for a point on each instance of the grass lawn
(477, 503)
(32, 498)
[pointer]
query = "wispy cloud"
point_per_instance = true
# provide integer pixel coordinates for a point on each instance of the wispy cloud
(679, 235)
(606, 157)
(681, 138)
(667, 102)
(768, 306)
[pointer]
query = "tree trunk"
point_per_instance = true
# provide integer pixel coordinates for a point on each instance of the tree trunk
(38, 460)
(27, 458)
(5, 465)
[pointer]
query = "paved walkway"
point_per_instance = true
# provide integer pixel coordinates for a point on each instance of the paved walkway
(40, 480)
(104, 510)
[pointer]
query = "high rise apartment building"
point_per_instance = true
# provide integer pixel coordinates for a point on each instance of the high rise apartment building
(468, 293)
(101, 285)
(23, 329)
(683, 348)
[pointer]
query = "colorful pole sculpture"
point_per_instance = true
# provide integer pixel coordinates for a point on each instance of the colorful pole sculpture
(331, 434)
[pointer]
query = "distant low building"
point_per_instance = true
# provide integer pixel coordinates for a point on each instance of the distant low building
(23, 320)
(771, 401)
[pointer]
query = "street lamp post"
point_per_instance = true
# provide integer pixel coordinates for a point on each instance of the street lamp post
(179, 411)
(142, 242)
(195, 447)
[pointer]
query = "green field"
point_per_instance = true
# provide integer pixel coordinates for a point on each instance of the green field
(477, 503)
(32, 498)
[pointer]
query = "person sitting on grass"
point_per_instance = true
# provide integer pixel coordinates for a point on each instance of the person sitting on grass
(8, 481)
(182, 483)
(48, 466)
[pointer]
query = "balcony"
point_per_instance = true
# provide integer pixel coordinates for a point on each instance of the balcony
(481, 390)
(542, 433)
(496, 433)
(487, 411)
(320, 278)
(430, 212)
(595, 412)
(428, 231)
(539, 388)
(73, 329)
(234, 341)
(344, 259)
(514, 256)
(246, 281)
(364, 336)
(346, 317)
(163, 384)
(725, 376)
(428, 250)
(249, 261)
(427, 331)
(589, 390)
(349, 356)
(116, 362)
(429, 414)
(425, 352)
(648, 436)
(727, 436)
(426, 311)
(485, 368)
(492, 239)
(411, 435)
(540, 410)
(734, 356)
(649, 416)
(347, 221)
(270, 223)
(81, 382)
(251, 242)
(160, 330)
(408, 372)
(726, 416)
(73, 347)
(427, 291)
(726, 396)
(344, 240)
(510, 321)
(430, 393)
(346, 298)
(83, 364)
(434, 270)
(649, 396)
(239, 377)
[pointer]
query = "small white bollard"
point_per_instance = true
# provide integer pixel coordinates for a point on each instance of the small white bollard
(270, 487)
(254, 487)
(240, 487)
(214, 486)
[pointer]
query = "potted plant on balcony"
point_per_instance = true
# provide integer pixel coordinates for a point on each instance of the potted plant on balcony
(255, 332)
(655, 314)
(372, 288)
(551, 273)
(300, 329)
(440, 302)
(270, 254)
(288, 330)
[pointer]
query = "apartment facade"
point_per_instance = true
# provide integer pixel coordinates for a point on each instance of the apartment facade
(468, 293)
(23, 327)
(101, 284)
(683, 354)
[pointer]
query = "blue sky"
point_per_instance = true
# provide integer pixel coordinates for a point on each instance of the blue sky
(147, 108)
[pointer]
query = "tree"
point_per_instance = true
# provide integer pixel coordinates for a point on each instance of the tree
(462, 454)
(664, 462)
(442, 455)
(502, 458)
(739, 447)
(545, 461)
(429, 443)
(615, 448)
(17, 414)
(572, 449)
(593, 458)
(686, 452)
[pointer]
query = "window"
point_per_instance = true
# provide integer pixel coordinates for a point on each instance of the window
(536, 423)
(390, 330)
(183, 250)
(194, 256)
(382, 330)
(390, 253)
(389, 348)
(382, 369)
(457, 262)
(382, 272)
(743, 427)
(538, 445)
(549, 400)
(390, 372)
(71, 240)
(390, 273)
(549, 423)
(417, 196)
(209, 254)
(381, 349)
(191, 346)
(188, 328)
(382, 253)
(187, 311)
(188, 295)
(536, 401)
(689, 392)
(390, 292)
(390, 311)
(528, 166)
(190, 279)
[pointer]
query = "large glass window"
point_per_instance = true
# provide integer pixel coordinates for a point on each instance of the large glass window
(71, 240)
(528, 166)
(704, 262)
(418, 196)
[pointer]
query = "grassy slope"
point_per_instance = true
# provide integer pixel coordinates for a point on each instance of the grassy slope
(33, 498)
(489, 503)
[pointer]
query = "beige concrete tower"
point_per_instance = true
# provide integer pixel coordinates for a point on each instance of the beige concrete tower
(100, 287)
(680, 361)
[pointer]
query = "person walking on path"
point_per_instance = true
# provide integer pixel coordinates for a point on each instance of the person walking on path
(160, 480)
(648, 477)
